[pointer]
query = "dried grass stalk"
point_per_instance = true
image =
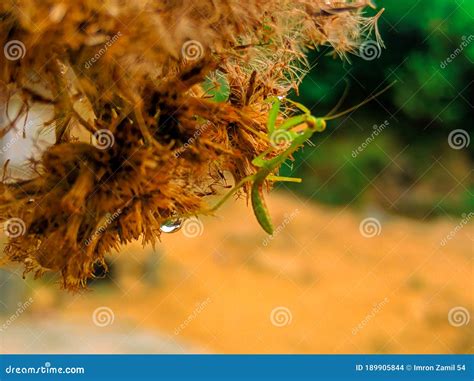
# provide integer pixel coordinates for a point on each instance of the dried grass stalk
(127, 77)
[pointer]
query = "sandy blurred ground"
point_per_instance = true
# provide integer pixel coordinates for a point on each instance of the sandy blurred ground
(223, 285)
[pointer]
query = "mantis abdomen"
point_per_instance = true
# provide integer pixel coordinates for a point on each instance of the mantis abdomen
(259, 206)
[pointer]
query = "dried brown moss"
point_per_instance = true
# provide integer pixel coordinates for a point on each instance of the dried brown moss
(138, 140)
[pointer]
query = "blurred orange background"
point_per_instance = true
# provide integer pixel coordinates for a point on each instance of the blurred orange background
(321, 284)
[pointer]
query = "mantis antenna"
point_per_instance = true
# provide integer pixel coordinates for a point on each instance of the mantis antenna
(341, 99)
(372, 97)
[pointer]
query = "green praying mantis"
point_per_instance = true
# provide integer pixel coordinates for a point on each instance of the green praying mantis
(295, 140)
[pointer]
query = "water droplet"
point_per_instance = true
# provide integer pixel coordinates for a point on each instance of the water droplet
(171, 226)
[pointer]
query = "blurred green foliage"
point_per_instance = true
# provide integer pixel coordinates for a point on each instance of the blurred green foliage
(409, 167)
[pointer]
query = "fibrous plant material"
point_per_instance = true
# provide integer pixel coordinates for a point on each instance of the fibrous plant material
(154, 101)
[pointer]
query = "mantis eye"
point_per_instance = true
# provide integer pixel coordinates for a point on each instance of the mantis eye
(320, 125)
(316, 124)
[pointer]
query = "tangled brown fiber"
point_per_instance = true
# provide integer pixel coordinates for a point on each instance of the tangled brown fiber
(138, 138)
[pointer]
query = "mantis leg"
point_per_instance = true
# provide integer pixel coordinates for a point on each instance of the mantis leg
(273, 115)
(293, 122)
(229, 194)
(254, 131)
(284, 179)
(306, 110)
(260, 160)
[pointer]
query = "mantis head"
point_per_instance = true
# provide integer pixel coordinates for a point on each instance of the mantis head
(316, 124)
